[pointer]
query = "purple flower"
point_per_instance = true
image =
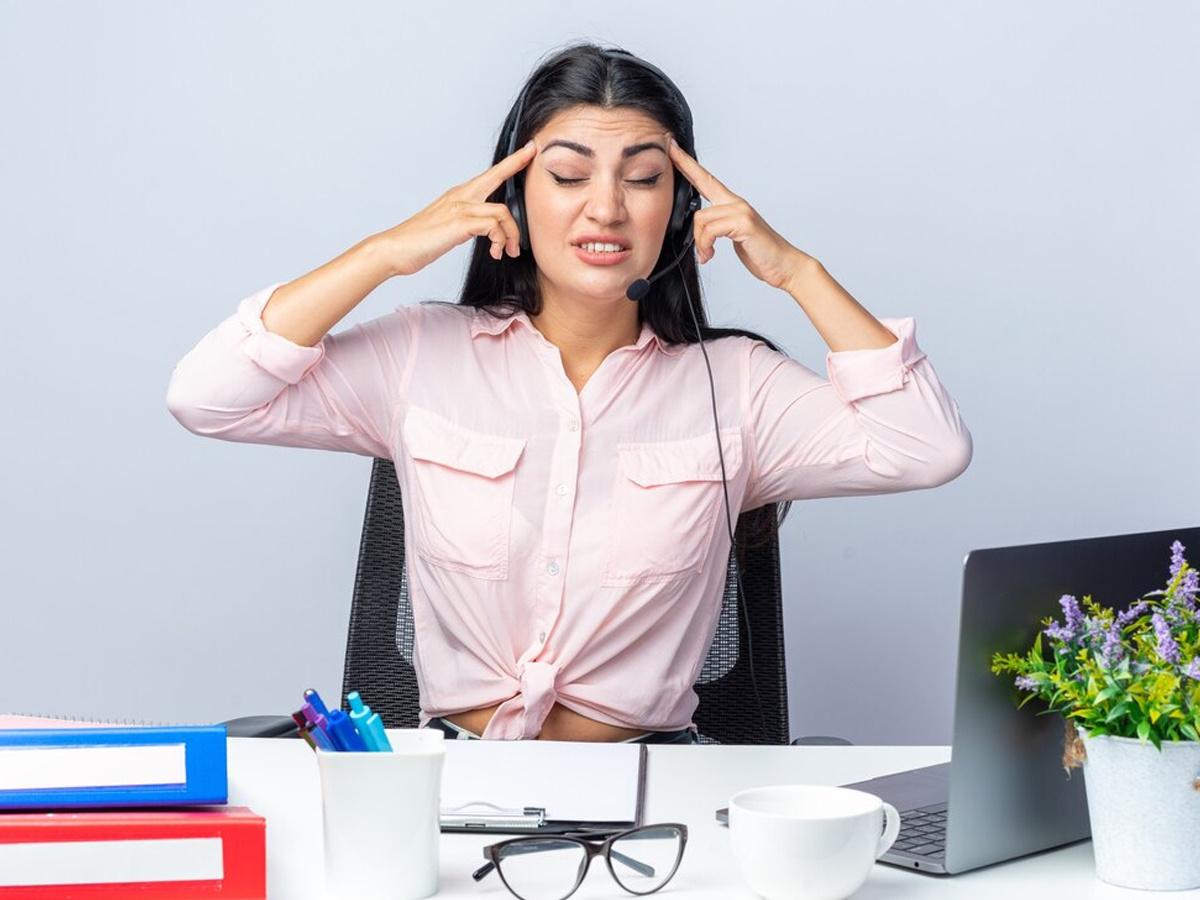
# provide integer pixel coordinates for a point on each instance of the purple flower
(1113, 650)
(1072, 611)
(1134, 610)
(1059, 632)
(1176, 558)
(1068, 632)
(1167, 648)
(1026, 683)
(1185, 594)
(1193, 668)
(1179, 614)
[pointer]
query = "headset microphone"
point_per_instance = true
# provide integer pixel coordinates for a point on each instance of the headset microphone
(640, 288)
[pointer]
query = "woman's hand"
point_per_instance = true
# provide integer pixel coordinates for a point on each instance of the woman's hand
(460, 213)
(761, 249)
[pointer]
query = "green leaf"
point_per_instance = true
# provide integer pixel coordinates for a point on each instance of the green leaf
(1143, 729)
(1189, 731)
(1107, 694)
(1116, 712)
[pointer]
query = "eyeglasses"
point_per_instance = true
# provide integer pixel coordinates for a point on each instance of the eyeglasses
(552, 867)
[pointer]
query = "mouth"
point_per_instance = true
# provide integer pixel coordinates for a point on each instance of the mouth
(598, 253)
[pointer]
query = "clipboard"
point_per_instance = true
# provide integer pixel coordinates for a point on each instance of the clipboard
(542, 787)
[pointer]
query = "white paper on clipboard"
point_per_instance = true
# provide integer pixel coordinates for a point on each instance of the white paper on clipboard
(571, 780)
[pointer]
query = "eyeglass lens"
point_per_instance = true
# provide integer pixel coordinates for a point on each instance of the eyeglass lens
(548, 868)
(644, 860)
(541, 868)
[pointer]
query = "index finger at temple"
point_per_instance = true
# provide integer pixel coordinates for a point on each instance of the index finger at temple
(490, 179)
(705, 182)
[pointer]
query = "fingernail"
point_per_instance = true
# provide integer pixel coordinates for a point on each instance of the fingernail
(529, 144)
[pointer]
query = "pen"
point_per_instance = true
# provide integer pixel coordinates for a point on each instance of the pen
(320, 738)
(369, 725)
(341, 729)
(302, 726)
(320, 729)
(318, 704)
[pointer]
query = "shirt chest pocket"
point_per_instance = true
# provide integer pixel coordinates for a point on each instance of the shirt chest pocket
(461, 485)
(667, 499)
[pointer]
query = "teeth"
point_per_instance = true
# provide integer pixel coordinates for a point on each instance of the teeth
(593, 247)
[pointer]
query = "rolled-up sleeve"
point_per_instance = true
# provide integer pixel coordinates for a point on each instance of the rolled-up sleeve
(882, 423)
(244, 383)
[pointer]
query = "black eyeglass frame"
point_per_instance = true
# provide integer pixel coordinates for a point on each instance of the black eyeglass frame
(593, 845)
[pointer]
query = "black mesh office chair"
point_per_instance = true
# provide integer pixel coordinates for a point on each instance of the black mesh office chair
(380, 643)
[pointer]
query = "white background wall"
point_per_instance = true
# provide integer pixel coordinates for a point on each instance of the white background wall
(1022, 178)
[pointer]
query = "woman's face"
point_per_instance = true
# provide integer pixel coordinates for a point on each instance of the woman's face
(600, 174)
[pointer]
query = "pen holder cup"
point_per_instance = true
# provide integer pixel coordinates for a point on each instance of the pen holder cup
(380, 814)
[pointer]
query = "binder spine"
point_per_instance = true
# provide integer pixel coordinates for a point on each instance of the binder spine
(205, 765)
(243, 852)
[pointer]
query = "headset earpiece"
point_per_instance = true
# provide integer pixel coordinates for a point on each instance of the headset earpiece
(514, 199)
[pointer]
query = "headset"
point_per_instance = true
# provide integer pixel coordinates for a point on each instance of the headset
(686, 202)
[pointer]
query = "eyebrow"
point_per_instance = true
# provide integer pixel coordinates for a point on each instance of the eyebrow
(631, 150)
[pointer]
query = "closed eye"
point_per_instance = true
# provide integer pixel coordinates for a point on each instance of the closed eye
(647, 182)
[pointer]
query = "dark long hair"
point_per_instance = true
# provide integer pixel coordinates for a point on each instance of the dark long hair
(581, 74)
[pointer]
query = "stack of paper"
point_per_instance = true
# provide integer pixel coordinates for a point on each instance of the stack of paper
(597, 783)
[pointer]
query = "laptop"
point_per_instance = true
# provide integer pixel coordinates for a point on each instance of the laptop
(1004, 793)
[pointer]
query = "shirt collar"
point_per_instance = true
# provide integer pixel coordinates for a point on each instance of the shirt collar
(483, 322)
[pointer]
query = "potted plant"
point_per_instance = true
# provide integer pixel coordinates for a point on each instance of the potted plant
(1128, 686)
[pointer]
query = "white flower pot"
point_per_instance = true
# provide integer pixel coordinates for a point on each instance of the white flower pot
(1144, 806)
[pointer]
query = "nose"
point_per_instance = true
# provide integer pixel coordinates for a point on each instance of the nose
(605, 201)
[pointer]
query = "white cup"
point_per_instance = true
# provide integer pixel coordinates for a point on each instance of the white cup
(810, 841)
(381, 815)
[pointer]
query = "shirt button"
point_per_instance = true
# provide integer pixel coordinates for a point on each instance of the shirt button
(541, 637)
(561, 490)
(552, 568)
(573, 425)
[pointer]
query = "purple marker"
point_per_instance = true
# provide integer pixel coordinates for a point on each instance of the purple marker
(320, 726)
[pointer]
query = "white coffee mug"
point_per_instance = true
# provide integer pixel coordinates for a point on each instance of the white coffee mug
(810, 841)
(381, 815)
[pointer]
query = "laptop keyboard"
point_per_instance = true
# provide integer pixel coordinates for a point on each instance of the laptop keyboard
(923, 831)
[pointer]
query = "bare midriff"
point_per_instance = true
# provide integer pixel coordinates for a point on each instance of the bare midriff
(561, 724)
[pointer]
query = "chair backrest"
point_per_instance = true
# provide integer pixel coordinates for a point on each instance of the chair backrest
(379, 648)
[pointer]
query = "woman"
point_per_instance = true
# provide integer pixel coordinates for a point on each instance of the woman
(555, 444)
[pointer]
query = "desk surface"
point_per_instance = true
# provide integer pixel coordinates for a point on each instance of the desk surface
(685, 783)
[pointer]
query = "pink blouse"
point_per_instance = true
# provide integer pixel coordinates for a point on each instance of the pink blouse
(567, 546)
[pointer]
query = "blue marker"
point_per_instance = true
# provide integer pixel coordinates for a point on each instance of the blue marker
(318, 704)
(320, 738)
(369, 725)
(343, 733)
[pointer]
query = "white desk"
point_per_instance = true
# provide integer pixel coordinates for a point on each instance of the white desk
(685, 783)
